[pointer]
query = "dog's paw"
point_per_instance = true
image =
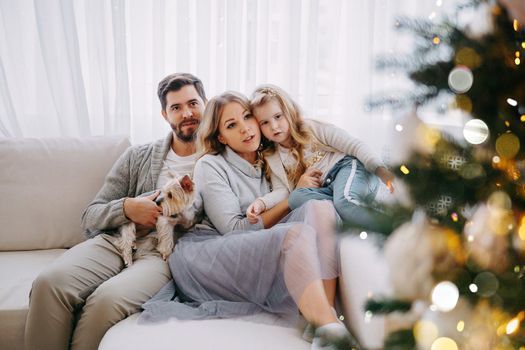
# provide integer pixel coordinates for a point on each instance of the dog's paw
(164, 253)
(128, 259)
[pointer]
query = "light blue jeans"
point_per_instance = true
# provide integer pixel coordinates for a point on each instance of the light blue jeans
(353, 190)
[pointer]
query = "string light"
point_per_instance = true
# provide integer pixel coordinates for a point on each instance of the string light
(404, 169)
(436, 40)
(515, 25)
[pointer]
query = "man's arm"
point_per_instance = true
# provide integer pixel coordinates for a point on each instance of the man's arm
(106, 211)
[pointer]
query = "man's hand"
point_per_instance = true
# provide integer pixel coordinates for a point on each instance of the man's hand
(254, 210)
(143, 210)
(310, 179)
(386, 176)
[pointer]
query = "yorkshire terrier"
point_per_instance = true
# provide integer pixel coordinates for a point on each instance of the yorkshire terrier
(176, 200)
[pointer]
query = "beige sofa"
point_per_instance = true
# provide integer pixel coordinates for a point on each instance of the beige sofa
(45, 184)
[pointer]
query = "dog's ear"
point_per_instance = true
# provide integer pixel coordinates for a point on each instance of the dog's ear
(186, 183)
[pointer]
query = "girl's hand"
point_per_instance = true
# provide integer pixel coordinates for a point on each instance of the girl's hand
(386, 176)
(310, 179)
(254, 210)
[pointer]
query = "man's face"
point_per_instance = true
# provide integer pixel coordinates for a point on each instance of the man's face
(183, 112)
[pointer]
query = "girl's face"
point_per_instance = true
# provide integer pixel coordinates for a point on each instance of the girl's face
(239, 130)
(273, 123)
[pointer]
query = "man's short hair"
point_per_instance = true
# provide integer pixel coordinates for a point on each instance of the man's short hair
(175, 82)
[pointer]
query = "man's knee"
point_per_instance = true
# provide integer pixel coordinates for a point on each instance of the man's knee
(109, 303)
(50, 282)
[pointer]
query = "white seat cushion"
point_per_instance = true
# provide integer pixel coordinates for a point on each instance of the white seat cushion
(232, 334)
(18, 270)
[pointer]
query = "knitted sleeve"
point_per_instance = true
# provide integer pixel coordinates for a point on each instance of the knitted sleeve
(106, 211)
(337, 138)
(221, 205)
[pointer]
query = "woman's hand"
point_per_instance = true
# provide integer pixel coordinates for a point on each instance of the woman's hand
(143, 210)
(310, 179)
(386, 176)
(254, 210)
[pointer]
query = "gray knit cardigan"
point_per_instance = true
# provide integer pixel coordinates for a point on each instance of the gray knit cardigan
(134, 173)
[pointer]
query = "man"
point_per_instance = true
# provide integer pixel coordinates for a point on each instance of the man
(87, 290)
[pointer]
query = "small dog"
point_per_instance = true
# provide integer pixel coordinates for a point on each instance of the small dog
(176, 199)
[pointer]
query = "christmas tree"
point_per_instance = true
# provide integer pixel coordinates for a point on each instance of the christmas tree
(458, 266)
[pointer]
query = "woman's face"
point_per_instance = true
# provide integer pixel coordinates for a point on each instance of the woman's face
(239, 130)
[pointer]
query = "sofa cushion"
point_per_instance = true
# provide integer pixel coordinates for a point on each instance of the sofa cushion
(45, 186)
(232, 334)
(17, 272)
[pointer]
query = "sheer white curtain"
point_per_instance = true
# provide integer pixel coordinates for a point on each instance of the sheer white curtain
(91, 67)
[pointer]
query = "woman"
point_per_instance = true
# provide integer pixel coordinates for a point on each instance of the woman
(230, 267)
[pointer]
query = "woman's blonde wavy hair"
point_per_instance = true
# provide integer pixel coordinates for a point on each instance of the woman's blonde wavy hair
(208, 133)
(300, 132)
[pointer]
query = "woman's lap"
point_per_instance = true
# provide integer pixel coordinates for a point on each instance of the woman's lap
(240, 272)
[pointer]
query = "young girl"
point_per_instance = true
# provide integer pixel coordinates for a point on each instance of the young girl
(338, 167)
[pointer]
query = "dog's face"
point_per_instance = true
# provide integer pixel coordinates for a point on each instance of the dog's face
(176, 197)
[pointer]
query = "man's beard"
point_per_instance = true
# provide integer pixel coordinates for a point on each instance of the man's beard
(186, 138)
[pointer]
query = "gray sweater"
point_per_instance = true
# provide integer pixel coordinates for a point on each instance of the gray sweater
(227, 184)
(134, 173)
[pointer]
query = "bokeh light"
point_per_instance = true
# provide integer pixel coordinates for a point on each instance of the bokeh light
(507, 145)
(445, 296)
(513, 325)
(487, 284)
(468, 57)
(460, 79)
(475, 131)
(444, 343)
(425, 332)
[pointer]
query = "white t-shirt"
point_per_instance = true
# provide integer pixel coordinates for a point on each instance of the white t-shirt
(176, 164)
